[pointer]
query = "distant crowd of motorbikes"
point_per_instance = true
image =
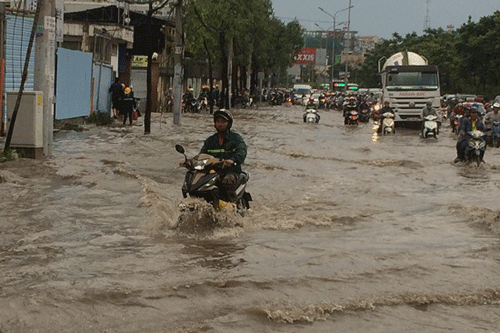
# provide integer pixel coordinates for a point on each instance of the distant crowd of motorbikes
(361, 108)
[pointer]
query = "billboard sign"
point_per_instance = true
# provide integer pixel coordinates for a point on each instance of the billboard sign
(305, 56)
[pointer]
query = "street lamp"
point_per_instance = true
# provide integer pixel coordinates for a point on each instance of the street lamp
(316, 24)
(333, 34)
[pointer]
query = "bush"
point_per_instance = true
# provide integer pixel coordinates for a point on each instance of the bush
(100, 119)
(72, 124)
(9, 155)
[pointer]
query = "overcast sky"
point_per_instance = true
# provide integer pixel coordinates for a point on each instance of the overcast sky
(384, 17)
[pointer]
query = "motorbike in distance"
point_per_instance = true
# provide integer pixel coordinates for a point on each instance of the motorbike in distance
(474, 152)
(430, 127)
(364, 115)
(388, 125)
(455, 122)
(202, 181)
(352, 117)
(311, 116)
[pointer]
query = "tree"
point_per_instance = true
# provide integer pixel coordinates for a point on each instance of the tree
(261, 41)
(153, 7)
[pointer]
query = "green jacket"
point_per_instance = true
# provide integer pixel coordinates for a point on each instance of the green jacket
(212, 147)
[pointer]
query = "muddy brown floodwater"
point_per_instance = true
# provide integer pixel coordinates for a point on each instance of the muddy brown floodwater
(348, 232)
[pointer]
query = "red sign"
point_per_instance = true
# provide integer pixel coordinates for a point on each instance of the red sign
(305, 56)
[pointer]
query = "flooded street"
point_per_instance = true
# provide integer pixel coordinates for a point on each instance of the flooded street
(348, 232)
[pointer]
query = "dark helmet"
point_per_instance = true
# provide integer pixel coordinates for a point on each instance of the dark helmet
(223, 113)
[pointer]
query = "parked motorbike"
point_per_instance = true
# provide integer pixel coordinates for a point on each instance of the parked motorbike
(195, 106)
(249, 104)
(388, 125)
(352, 117)
(476, 147)
(430, 127)
(311, 116)
(202, 181)
(203, 104)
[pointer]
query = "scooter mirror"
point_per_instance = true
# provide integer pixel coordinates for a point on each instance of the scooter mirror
(180, 149)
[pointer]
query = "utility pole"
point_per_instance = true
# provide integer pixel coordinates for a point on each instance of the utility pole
(349, 40)
(333, 33)
(179, 51)
(45, 49)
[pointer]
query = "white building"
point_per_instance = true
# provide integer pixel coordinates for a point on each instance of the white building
(363, 44)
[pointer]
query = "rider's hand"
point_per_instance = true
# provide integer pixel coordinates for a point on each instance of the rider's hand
(227, 163)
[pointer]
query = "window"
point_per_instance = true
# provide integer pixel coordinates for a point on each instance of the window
(412, 80)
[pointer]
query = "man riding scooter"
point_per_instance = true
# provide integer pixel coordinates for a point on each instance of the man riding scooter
(427, 111)
(351, 105)
(467, 125)
(491, 121)
(216, 145)
(380, 114)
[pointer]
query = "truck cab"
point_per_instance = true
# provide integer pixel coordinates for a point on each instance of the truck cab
(408, 82)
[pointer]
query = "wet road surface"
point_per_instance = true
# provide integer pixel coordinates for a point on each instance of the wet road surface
(349, 232)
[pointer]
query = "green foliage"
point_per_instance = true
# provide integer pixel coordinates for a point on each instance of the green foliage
(9, 155)
(468, 58)
(259, 37)
(100, 119)
(72, 124)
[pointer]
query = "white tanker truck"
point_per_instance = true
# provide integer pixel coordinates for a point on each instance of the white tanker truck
(408, 82)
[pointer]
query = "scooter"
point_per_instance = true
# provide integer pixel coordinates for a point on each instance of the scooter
(322, 103)
(455, 123)
(430, 127)
(249, 104)
(388, 125)
(311, 116)
(203, 104)
(364, 115)
(353, 117)
(202, 181)
(474, 152)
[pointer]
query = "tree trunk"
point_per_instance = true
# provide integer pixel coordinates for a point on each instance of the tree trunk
(224, 69)
(230, 72)
(249, 72)
(210, 78)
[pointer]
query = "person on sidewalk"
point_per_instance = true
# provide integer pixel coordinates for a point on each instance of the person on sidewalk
(116, 91)
(128, 105)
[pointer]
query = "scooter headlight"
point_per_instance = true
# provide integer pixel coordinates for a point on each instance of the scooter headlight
(200, 165)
